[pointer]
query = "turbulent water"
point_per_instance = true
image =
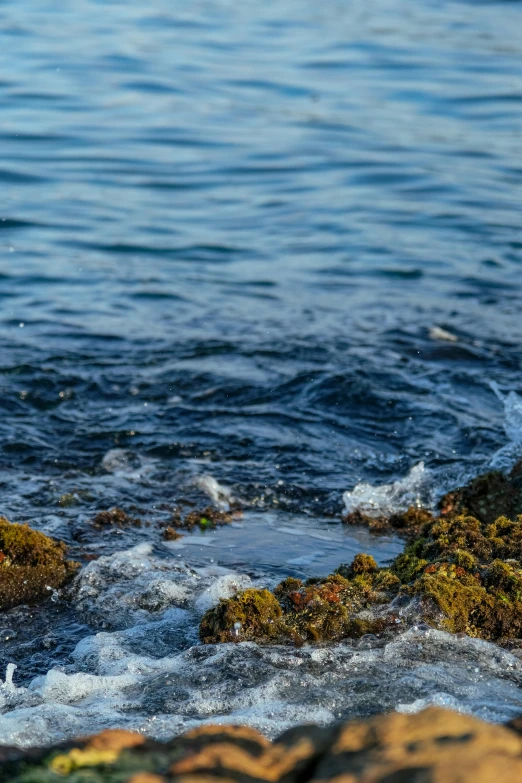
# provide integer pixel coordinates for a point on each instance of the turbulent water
(274, 245)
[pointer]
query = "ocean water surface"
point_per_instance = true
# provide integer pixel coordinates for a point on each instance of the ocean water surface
(275, 246)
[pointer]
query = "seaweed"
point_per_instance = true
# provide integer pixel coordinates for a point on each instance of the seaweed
(115, 516)
(205, 519)
(32, 565)
(487, 497)
(297, 612)
(252, 615)
(466, 573)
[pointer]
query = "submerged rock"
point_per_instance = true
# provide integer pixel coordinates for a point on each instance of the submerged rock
(115, 516)
(434, 745)
(32, 565)
(207, 518)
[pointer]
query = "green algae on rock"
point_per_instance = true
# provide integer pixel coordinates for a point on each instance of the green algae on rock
(255, 614)
(31, 565)
(471, 571)
(297, 612)
(466, 575)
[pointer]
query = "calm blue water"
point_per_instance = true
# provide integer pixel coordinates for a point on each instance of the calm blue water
(226, 233)
(227, 230)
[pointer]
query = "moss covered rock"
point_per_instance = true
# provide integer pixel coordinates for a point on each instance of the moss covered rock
(465, 573)
(115, 517)
(251, 615)
(298, 612)
(407, 522)
(471, 572)
(31, 565)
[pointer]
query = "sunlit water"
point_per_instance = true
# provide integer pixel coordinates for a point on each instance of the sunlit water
(230, 237)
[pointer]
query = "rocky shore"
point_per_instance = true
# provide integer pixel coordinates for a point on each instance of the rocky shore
(435, 746)
(460, 572)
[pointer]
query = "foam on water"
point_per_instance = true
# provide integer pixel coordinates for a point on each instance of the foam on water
(126, 588)
(122, 463)
(148, 672)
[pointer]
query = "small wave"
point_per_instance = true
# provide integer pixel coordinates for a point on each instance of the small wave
(126, 464)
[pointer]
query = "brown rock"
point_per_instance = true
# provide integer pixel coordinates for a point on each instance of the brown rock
(374, 524)
(115, 516)
(169, 534)
(434, 746)
(233, 753)
(407, 522)
(115, 739)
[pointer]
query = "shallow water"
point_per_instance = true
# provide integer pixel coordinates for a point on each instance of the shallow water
(230, 237)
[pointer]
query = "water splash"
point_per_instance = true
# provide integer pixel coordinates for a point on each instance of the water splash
(219, 493)
(413, 490)
(9, 685)
(505, 458)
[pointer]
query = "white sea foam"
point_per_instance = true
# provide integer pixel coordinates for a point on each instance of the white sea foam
(121, 590)
(271, 688)
(148, 672)
(412, 490)
(224, 586)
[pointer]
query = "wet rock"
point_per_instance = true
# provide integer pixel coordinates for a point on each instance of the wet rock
(462, 575)
(297, 612)
(376, 525)
(434, 746)
(251, 615)
(411, 521)
(32, 565)
(206, 518)
(115, 517)
(169, 534)
(405, 522)
(487, 497)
